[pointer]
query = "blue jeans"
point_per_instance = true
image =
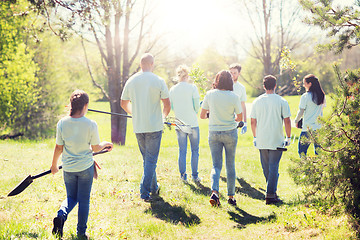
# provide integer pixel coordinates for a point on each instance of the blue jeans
(270, 160)
(219, 140)
(304, 144)
(78, 188)
(194, 138)
(149, 145)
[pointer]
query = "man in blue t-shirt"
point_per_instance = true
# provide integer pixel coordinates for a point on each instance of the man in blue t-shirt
(268, 113)
(146, 91)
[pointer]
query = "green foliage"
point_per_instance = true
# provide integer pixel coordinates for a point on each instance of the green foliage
(200, 80)
(334, 174)
(29, 90)
(341, 23)
(19, 91)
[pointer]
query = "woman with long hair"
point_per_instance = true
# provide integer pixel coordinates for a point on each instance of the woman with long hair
(311, 107)
(224, 109)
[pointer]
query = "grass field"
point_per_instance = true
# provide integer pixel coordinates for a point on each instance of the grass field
(182, 211)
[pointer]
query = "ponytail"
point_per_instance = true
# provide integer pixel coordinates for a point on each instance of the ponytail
(78, 100)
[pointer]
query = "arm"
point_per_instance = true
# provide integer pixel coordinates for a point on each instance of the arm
(238, 117)
(243, 106)
(57, 152)
(287, 123)
(101, 146)
(126, 105)
(166, 107)
(196, 104)
(299, 115)
(253, 126)
(203, 113)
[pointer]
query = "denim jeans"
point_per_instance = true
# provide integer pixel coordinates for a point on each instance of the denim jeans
(304, 144)
(149, 145)
(270, 160)
(78, 188)
(219, 140)
(194, 138)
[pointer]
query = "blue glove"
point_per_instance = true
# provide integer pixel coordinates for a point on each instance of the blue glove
(244, 128)
(287, 142)
(254, 141)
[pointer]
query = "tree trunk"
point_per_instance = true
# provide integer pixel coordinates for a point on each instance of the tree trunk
(118, 124)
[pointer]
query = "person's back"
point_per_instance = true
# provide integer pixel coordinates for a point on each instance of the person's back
(311, 113)
(269, 110)
(222, 105)
(77, 134)
(184, 99)
(145, 90)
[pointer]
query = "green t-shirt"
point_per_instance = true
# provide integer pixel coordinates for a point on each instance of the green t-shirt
(240, 90)
(77, 135)
(185, 102)
(311, 113)
(222, 106)
(145, 91)
(269, 110)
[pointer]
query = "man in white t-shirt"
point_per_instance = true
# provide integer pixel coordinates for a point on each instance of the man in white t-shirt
(239, 90)
(146, 91)
(268, 113)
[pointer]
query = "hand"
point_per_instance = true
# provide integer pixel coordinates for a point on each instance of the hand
(287, 142)
(244, 129)
(54, 169)
(254, 141)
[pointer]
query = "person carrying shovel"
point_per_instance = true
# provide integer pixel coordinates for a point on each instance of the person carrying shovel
(76, 138)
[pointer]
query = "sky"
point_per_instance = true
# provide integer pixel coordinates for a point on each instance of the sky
(199, 24)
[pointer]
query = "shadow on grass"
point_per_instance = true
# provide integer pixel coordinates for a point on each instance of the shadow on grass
(246, 189)
(173, 214)
(28, 235)
(198, 188)
(243, 218)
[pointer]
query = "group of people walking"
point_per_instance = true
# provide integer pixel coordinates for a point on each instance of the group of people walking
(224, 106)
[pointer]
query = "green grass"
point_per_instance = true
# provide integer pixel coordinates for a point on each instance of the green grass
(182, 211)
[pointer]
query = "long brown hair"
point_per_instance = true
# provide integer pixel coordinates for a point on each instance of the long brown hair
(78, 100)
(318, 94)
(223, 80)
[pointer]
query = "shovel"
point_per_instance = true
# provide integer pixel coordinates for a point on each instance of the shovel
(29, 179)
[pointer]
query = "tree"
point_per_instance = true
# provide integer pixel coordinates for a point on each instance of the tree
(19, 92)
(118, 39)
(334, 174)
(341, 23)
(276, 26)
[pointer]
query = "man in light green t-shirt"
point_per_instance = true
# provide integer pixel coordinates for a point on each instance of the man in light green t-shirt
(268, 113)
(240, 91)
(146, 91)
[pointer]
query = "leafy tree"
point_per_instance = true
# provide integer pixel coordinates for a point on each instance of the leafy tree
(120, 30)
(334, 174)
(342, 23)
(19, 92)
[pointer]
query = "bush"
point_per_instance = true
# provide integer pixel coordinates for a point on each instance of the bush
(334, 175)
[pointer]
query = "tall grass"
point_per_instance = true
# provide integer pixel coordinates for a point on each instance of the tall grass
(182, 211)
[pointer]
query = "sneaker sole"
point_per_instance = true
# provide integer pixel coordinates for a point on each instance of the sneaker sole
(214, 203)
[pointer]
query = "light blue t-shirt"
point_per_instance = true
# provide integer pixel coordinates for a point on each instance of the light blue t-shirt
(311, 113)
(145, 91)
(269, 110)
(222, 106)
(185, 101)
(240, 90)
(77, 135)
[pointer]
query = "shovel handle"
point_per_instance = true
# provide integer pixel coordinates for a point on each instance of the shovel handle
(60, 167)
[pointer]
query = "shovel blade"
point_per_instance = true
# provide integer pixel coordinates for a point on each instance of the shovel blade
(21, 186)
